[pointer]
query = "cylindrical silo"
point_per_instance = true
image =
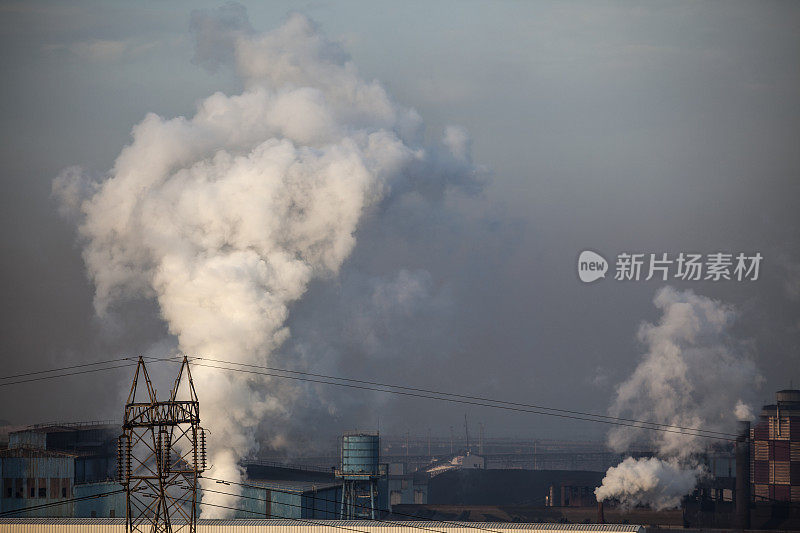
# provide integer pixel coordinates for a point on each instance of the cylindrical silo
(360, 455)
(359, 472)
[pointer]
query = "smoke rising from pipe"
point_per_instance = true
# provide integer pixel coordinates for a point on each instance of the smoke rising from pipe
(650, 481)
(694, 374)
(224, 218)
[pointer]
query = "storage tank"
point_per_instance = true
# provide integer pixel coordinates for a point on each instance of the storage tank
(360, 455)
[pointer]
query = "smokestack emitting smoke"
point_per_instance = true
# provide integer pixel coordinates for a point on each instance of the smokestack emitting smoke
(225, 217)
(694, 374)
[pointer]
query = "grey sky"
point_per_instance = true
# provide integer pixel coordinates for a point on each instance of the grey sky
(615, 126)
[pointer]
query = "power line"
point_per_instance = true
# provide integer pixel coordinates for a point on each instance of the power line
(468, 397)
(302, 520)
(65, 368)
(301, 506)
(319, 498)
(389, 389)
(110, 493)
(61, 502)
(42, 378)
(665, 427)
(129, 362)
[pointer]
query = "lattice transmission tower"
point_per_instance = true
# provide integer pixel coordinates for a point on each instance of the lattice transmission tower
(161, 454)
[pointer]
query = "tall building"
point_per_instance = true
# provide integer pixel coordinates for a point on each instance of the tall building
(775, 450)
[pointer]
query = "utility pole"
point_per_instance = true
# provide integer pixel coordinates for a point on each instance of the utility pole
(480, 445)
(429, 442)
(451, 440)
(466, 433)
(160, 455)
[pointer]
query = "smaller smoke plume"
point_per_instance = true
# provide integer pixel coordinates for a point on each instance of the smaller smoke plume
(694, 375)
(743, 412)
(652, 481)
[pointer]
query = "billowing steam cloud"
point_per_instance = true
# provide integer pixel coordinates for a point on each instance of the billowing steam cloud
(694, 375)
(225, 217)
(651, 481)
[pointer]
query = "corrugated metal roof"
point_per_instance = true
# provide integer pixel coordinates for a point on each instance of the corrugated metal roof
(27, 452)
(430, 524)
(291, 485)
(266, 523)
(51, 427)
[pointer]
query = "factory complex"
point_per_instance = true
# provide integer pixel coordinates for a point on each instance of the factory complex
(65, 477)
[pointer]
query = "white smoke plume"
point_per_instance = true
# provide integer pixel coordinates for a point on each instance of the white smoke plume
(744, 412)
(225, 217)
(651, 481)
(694, 375)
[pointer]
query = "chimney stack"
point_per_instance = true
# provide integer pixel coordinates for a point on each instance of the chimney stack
(743, 476)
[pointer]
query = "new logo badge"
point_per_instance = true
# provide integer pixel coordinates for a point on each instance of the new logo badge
(591, 266)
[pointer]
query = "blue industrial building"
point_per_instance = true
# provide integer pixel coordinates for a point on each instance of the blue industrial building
(290, 499)
(33, 477)
(406, 488)
(52, 463)
(112, 506)
(260, 499)
(93, 444)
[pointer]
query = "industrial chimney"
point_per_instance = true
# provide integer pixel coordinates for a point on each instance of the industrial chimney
(743, 476)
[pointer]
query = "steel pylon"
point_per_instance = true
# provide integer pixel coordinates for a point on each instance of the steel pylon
(161, 454)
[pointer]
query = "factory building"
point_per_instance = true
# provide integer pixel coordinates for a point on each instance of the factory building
(111, 506)
(290, 499)
(49, 463)
(260, 498)
(92, 443)
(33, 477)
(406, 487)
(283, 491)
(775, 450)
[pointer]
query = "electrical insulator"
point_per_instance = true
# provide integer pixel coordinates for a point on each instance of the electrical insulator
(120, 461)
(164, 444)
(123, 459)
(202, 449)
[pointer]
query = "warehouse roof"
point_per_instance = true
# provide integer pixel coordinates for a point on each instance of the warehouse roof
(291, 485)
(28, 452)
(338, 525)
(54, 427)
